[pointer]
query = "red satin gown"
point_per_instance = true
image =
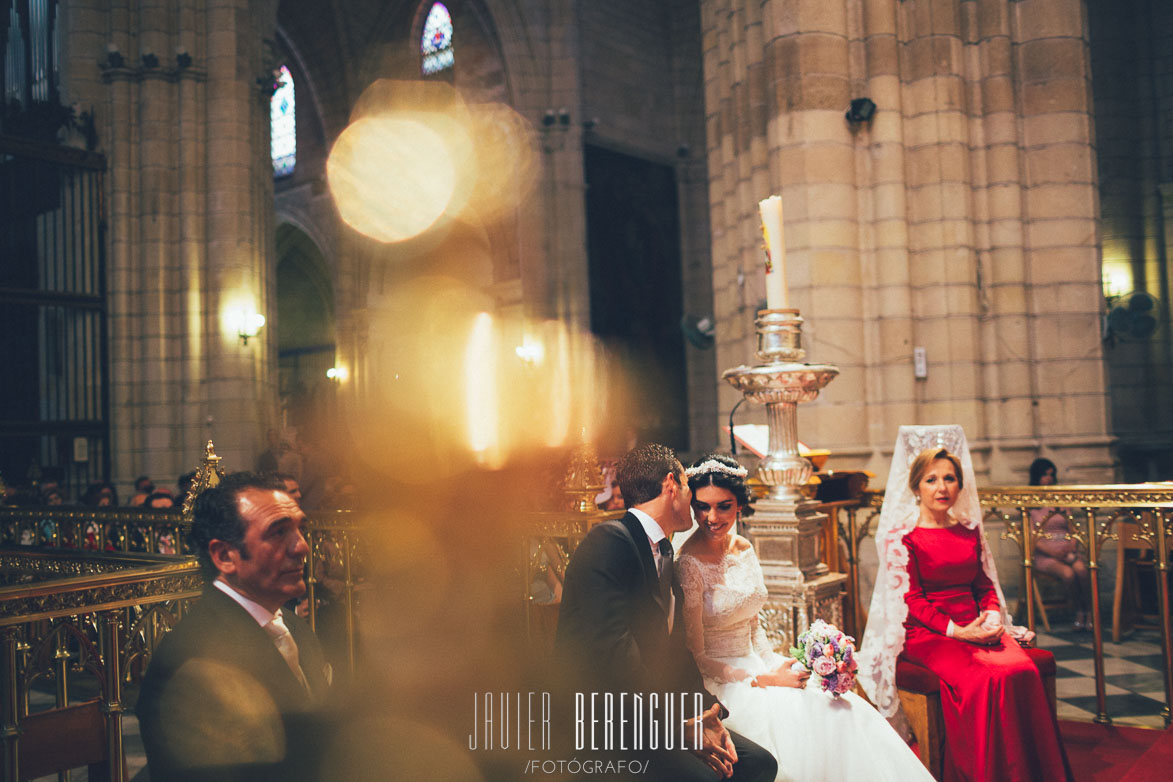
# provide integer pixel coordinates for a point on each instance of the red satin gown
(998, 726)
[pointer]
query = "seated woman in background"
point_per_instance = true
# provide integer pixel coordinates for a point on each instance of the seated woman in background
(937, 603)
(1056, 554)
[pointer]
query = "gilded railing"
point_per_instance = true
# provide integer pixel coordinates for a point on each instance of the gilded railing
(64, 614)
(1096, 515)
(155, 530)
(62, 610)
(331, 570)
(77, 583)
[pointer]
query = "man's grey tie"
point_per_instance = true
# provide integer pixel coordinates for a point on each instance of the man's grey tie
(287, 646)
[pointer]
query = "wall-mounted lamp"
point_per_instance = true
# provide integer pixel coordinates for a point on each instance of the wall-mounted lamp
(337, 374)
(182, 58)
(150, 60)
(549, 118)
(1116, 282)
(564, 116)
(531, 351)
(249, 326)
(861, 110)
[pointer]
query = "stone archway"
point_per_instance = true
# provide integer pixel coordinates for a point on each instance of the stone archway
(305, 330)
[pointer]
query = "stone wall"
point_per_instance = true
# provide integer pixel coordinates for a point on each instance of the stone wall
(961, 219)
(189, 221)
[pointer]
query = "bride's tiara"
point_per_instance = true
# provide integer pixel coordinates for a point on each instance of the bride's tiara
(712, 465)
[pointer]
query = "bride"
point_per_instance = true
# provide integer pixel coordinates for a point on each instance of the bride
(812, 736)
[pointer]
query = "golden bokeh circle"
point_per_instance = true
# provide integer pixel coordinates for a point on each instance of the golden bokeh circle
(392, 177)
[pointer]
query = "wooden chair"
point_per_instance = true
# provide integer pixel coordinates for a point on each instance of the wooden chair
(61, 739)
(920, 696)
(1042, 602)
(1126, 607)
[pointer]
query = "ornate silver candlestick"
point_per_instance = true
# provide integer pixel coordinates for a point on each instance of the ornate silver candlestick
(785, 528)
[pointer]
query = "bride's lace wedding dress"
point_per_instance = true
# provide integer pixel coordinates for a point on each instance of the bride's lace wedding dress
(814, 737)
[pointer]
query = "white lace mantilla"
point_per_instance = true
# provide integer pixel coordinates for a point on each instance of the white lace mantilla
(722, 601)
(883, 639)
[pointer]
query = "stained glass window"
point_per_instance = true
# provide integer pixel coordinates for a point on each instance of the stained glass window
(436, 42)
(283, 125)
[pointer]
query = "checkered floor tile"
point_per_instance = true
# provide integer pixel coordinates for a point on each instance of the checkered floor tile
(1134, 684)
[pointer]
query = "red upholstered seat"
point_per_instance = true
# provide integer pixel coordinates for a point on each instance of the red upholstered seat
(1043, 660)
(917, 678)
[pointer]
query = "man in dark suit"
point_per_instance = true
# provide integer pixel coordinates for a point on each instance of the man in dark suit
(621, 629)
(233, 691)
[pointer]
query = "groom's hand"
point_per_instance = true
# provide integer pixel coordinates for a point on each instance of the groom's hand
(717, 749)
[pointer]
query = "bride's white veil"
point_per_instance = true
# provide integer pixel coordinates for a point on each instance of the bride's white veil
(883, 639)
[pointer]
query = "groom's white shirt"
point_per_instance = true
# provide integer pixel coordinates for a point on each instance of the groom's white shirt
(655, 535)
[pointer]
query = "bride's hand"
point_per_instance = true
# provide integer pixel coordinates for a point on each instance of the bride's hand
(782, 676)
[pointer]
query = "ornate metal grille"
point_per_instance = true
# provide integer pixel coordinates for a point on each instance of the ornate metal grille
(53, 401)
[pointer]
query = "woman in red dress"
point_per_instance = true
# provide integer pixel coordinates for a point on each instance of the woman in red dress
(998, 724)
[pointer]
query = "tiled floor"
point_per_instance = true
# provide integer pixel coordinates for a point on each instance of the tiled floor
(1134, 684)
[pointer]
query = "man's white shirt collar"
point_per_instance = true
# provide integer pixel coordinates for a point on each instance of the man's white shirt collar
(651, 527)
(257, 611)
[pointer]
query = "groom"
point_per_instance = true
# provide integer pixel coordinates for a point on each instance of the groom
(621, 629)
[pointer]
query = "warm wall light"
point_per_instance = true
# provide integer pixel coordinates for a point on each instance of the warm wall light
(531, 351)
(1116, 282)
(249, 326)
(337, 374)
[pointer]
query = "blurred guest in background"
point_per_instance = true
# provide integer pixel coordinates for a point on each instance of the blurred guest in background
(1056, 554)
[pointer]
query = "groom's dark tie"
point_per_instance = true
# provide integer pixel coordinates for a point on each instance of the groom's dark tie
(666, 573)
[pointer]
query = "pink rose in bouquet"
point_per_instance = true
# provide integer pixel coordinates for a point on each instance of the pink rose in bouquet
(823, 666)
(829, 655)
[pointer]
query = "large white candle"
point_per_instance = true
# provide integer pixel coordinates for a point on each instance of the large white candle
(776, 294)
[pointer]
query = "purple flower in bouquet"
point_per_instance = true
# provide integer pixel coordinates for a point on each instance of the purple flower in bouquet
(830, 657)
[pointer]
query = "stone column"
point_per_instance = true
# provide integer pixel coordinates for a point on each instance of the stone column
(1062, 236)
(190, 229)
(237, 262)
(563, 280)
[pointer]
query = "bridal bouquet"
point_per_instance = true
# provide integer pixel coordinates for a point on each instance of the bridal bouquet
(829, 655)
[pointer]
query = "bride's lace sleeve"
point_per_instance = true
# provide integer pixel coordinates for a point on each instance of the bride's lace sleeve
(692, 583)
(761, 644)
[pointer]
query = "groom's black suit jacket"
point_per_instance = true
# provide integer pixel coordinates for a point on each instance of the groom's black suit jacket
(219, 702)
(613, 624)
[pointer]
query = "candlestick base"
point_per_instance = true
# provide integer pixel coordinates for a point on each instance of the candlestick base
(785, 529)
